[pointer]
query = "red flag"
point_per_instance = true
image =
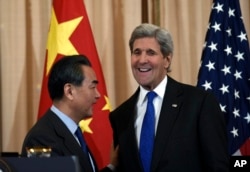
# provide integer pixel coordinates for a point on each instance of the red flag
(70, 33)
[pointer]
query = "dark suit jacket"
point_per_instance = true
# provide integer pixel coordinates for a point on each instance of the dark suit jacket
(190, 137)
(51, 131)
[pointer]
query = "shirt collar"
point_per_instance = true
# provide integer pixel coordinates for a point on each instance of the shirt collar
(71, 125)
(159, 90)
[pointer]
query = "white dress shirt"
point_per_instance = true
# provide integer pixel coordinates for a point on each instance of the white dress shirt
(142, 105)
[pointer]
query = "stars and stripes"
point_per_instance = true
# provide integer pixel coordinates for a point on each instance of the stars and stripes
(225, 71)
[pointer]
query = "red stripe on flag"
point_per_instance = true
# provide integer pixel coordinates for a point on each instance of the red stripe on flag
(245, 148)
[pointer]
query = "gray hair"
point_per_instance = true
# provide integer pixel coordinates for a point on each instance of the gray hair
(161, 35)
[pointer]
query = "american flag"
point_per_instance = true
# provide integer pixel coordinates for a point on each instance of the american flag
(225, 71)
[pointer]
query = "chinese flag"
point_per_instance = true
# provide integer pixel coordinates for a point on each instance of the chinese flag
(70, 33)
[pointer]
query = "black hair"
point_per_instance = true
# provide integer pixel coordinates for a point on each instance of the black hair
(66, 70)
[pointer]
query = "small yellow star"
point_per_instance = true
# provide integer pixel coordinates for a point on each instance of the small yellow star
(107, 105)
(84, 125)
(58, 38)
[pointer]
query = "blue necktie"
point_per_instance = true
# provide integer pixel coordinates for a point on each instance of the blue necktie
(84, 147)
(148, 133)
(80, 137)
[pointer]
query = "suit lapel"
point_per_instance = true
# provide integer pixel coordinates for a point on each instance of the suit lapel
(171, 104)
(128, 142)
(63, 132)
(69, 141)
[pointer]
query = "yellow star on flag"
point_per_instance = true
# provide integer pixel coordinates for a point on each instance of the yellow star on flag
(84, 125)
(107, 105)
(58, 38)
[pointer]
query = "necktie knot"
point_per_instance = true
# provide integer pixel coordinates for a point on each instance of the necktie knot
(151, 95)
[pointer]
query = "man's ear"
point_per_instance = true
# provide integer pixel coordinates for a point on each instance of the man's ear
(68, 90)
(168, 62)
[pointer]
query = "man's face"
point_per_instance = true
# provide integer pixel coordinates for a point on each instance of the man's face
(147, 62)
(86, 95)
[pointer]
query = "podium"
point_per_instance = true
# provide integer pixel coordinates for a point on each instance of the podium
(51, 164)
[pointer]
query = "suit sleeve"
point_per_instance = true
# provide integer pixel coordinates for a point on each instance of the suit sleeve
(213, 135)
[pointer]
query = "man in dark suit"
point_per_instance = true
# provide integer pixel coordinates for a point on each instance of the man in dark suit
(189, 128)
(72, 86)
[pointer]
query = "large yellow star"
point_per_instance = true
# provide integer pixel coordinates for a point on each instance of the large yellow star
(58, 38)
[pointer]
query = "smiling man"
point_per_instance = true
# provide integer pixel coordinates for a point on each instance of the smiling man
(166, 125)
